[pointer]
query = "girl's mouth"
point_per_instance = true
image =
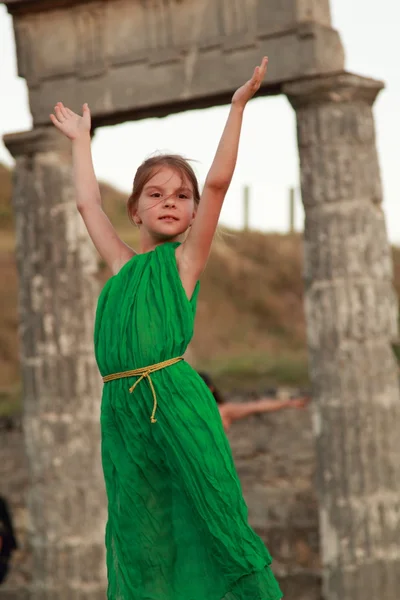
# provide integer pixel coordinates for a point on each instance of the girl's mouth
(168, 218)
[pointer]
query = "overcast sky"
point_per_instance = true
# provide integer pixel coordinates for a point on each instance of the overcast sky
(269, 162)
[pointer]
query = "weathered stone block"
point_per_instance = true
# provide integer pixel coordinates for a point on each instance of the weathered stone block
(131, 59)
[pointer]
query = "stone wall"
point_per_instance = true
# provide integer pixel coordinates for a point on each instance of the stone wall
(274, 455)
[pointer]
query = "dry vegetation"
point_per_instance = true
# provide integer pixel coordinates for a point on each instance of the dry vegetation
(250, 329)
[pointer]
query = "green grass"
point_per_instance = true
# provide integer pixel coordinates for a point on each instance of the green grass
(10, 401)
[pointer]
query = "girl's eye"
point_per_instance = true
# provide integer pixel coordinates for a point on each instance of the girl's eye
(155, 195)
(183, 196)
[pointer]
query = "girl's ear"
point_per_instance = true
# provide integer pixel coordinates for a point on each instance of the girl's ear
(135, 217)
(193, 216)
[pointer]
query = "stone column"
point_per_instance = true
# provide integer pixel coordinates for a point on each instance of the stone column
(62, 388)
(351, 313)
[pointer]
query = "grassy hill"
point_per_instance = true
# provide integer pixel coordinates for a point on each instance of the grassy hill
(250, 329)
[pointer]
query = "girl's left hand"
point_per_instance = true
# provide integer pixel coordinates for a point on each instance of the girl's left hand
(247, 91)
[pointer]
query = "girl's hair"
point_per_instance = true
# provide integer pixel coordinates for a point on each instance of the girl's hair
(210, 384)
(151, 166)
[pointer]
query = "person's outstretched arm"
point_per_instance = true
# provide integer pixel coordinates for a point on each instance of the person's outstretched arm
(236, 411)
(193, 254)
(77, 128)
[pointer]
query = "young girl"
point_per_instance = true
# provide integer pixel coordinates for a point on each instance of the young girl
(235, 411)
(177, 525)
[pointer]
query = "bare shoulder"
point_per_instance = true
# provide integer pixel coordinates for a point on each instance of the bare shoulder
(180, 258)
(187, 273)
(114, 251)
(126, 255)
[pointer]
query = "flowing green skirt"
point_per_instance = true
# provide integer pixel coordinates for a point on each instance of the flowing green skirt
(177, 527)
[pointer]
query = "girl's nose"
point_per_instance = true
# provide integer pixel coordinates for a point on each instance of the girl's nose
(169, 200)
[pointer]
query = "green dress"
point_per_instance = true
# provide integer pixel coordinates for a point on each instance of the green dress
(177, 523)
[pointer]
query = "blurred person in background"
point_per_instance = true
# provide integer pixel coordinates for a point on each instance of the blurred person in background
(235, 411)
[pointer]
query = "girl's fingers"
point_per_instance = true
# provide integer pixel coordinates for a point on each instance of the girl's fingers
(262, 69)
(63, 110)
(259, 73)
(256, 81)
(55, 121)
(59, 114)
(70, 112)
(264, 65)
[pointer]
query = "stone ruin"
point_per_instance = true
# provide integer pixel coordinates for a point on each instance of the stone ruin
(131, 59)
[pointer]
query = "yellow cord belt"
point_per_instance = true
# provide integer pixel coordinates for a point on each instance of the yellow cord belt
(142, 373)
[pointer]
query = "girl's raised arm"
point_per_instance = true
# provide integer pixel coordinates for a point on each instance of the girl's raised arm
(193, 254)
(77, 128)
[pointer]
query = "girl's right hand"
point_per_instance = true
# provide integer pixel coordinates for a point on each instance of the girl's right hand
(69, 123)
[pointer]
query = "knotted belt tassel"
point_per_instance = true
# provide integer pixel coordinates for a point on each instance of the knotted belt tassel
(142, 373)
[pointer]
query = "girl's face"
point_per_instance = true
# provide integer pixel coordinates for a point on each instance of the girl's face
(166, 207)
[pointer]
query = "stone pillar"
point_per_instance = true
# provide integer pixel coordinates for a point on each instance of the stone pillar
(62, 388)
(351, 313)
